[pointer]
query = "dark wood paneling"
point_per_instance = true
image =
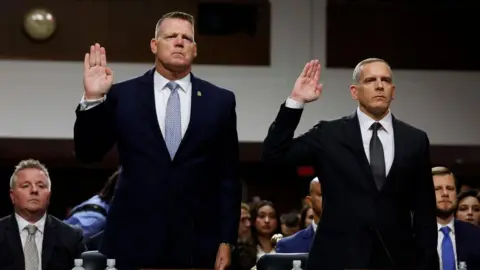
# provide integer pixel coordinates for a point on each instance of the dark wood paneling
(125, 28)
(408, 34)
(59, 153)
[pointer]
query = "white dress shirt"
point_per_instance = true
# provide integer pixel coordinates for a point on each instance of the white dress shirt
(314, 225)
(22, 223)
(385, 134)
(440, 239)
(162, 93)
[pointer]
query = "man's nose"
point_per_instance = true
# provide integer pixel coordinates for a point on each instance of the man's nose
(179, 42)
(379, 84)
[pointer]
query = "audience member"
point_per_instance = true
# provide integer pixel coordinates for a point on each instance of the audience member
(468, 208)
(30, 238)
(458, 241)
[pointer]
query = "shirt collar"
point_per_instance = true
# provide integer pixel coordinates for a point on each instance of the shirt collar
(22, 223)
(450, 224)
(366, 121)
(161, 82)
(314, 226)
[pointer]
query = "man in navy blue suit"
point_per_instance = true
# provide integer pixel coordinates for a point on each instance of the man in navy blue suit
(458, 241)
(302, 240)
(178, 193)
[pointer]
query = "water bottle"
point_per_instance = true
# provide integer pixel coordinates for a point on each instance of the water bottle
(78, 264)
(297, 265)
(462, 266)
(110, 264)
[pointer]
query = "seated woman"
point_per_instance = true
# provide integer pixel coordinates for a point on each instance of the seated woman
(468, 207)
(265, 225)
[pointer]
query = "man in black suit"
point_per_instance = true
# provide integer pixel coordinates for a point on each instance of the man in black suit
(458, 241)
(178, 192)
(378, 199)
(30, 239)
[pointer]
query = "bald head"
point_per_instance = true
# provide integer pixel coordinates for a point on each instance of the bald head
(313, 184)
(314, 198)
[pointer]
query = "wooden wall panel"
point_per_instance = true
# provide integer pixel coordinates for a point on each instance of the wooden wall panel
(125, 28)
(408, 34)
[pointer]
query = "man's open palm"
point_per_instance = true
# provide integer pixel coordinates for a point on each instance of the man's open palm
(307, 88)
(97, 78)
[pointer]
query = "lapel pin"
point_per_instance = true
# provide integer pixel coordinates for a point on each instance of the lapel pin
(199, 93)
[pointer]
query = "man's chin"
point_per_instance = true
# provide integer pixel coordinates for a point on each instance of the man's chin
(445, 213)
(178, 65)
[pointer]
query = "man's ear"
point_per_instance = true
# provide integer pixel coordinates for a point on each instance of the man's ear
(153, 46)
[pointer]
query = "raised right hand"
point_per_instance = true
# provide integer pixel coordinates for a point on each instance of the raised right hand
(307, 87)
(97, 77)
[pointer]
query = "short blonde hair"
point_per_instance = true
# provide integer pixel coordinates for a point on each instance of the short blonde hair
(441, 170)
(29, 164)
(176, 15)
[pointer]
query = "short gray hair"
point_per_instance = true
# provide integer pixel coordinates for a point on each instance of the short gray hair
(358, 69)
(176, 15)
(29, 164)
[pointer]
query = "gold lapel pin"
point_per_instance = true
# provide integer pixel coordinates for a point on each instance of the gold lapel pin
(199, 93)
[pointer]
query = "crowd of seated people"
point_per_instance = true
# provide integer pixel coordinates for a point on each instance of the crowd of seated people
(30, 238)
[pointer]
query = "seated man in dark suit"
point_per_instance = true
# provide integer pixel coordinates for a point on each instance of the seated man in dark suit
(458, 241)
(302, 240)
(30, 239)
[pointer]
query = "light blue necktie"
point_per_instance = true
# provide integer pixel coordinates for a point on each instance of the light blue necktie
(448, 256)
(173, 122)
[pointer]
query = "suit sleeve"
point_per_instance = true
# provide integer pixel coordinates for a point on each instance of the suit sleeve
(280, 146)
(94, 133)
(424, 216)
(230, 190)
(279, 248)
(79, 242)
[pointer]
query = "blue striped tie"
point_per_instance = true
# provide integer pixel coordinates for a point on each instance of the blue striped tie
(448, 256)
(173, 122)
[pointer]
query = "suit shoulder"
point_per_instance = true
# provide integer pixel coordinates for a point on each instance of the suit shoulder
(4, 220)
(119, 86)
(295, 236)
(332, 123)
(469, 228)
(410, 128)
(217, 89)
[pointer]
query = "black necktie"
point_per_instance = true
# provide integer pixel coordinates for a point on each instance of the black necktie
(377, 158)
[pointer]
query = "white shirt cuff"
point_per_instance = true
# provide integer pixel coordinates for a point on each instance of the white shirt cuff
(88, 104)
(293, 104)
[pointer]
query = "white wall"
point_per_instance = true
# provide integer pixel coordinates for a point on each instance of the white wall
(37, 99)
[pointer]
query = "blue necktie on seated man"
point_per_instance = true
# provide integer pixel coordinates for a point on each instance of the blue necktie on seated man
(448, 255)
(173, 120)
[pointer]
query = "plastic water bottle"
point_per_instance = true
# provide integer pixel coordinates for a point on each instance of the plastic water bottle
(78, 264)
(462, 266)
(110, 264)
(297, 265)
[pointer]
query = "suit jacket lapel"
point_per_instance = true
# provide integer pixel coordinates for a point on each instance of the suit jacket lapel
(400, 145)
(198, 101)
(15, 242)
(147, 97)
(49, 238)
(353, 140)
